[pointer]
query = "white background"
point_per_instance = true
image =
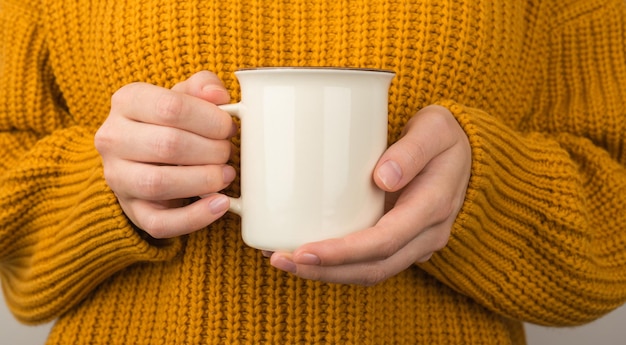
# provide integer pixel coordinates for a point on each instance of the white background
(610, 330)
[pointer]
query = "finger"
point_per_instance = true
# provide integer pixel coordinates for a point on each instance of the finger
(152, 182)
(162, 222)
(426, 135)
(151, 104)
(164, 145)
(373, 244)
(204, 85)
(424, 203)
(363, 273)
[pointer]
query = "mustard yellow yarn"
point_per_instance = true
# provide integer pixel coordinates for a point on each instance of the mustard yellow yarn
(538, 86)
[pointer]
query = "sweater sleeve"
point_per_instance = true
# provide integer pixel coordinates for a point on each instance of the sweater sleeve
(62, 231)
(541, 235)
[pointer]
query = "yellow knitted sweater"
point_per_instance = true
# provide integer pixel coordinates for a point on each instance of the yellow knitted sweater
(538, 86)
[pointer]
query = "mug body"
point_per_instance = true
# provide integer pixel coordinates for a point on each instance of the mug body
(310, 139)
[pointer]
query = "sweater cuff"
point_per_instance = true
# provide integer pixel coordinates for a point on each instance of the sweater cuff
(77, 237)
(502, 250)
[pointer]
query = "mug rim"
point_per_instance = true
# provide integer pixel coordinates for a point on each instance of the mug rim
(313, 68)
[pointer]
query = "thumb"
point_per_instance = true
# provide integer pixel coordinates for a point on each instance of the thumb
(205, 85)
(425, 136)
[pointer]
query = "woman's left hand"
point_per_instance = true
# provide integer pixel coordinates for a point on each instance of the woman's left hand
(425, 175)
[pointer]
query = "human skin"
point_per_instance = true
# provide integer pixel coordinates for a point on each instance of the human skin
(426, 174)
(161, 146)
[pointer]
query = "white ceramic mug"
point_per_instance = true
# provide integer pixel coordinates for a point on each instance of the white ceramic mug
(310, 139)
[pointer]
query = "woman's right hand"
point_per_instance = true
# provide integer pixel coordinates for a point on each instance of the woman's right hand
(161, 147)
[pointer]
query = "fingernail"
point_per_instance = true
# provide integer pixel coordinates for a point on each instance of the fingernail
(219, 204)
(228, 174)
(282, 263)
(390, 174)
(213, 88)
(234, 129)
(307, 259)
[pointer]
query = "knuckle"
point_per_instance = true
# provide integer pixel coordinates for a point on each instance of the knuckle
(122, 95)
(415, 154)
(107, 137)
(440, 122)
(224, 151)
(203, 77)
(442, 213)
(425, 258)
(438, 118)
(151, 184)
(110, 177)
(388, 248)
(214, 180)
(440, 239)
(190, 223)
(314, 275)
(443, 208)
(155, 226)
(103, 139)
(169, 107)
(166, 146)
(221, 124)
(441, 242)
(125, 96)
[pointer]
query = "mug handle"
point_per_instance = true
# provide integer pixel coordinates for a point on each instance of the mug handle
(234, 110)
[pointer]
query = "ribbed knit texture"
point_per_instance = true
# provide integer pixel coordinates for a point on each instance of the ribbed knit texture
(538, 87)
